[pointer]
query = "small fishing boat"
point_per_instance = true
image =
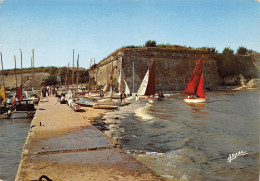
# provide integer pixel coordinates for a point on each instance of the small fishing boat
(108, 102)
(73, 105)
(23, 109)
(85, 103)
(104, 107)
(195, 87)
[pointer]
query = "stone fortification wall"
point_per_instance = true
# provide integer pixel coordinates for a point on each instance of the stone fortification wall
(10, 79)
(250, 65)
(107, 69)
(173, 67)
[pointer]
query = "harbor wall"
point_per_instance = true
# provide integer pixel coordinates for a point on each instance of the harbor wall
(173, 68)
(10, 79)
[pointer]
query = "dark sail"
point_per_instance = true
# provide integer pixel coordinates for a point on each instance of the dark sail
(19, 93)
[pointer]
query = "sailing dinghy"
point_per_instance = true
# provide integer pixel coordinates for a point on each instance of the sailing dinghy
(147, 87)
(195, 87)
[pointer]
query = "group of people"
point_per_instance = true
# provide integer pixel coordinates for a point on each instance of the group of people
(49, 91)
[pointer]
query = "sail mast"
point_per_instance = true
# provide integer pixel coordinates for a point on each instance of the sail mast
(68, 76)
(73, 71)
(89, 77)
(112, 76)
(77, 74)
(2, 69)
(133, 77)
(15, 71)
(32, 68)
(3, 85)
(21, 67)
(94, 72)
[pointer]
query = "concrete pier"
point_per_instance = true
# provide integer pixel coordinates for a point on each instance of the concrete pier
(62, 145)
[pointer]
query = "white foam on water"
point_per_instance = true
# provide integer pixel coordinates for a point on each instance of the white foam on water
(143, 112)
(170, 165)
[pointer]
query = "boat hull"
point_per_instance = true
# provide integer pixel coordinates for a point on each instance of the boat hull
(104, 107)
(195, 100)
(90, 104)
(22, 114)
(4, 116)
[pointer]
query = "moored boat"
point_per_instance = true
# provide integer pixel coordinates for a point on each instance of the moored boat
(23, 109)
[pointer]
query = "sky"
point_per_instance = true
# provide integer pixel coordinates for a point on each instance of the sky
(96, 28)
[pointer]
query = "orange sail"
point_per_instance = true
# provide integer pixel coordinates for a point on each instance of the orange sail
(195, 85)
(200, 91)
(150, 90)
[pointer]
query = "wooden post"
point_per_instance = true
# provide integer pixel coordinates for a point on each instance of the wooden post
(15, 71)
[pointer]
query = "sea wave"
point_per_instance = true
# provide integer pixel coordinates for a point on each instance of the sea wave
(144, 113)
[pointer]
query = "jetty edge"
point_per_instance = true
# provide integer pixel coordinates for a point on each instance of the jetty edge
(62, 145)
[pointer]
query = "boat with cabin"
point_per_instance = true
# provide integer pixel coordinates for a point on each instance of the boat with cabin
(23, 109)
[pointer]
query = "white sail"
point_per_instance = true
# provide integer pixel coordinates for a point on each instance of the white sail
(105, 88)
(119, 81)
(143, 86)
(110, 91)
(127, 90)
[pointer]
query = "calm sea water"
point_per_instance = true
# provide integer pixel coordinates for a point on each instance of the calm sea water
(13, 134)
(192, 142)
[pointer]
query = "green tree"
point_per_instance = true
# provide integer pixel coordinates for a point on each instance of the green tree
(228, 52)
(51, 80)
(242, 51)
(227, 63)
(150, 43)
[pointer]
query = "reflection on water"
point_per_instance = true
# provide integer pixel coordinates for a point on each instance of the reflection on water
(192, 141)
(13, 134)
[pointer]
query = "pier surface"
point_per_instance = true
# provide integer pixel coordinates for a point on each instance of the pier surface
(62, 145)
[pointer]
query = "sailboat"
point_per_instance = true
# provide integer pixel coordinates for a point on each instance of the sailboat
(195, 87)
(127, 90)
(147, 87)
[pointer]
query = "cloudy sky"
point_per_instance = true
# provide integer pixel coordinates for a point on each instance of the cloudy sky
(96, 28)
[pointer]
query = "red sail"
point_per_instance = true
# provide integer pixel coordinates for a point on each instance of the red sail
(19, 93)
(150, 90)
(194, 81)
(200, 91)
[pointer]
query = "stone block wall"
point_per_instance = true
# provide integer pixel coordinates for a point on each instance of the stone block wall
(10, 79)
(173, 68)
